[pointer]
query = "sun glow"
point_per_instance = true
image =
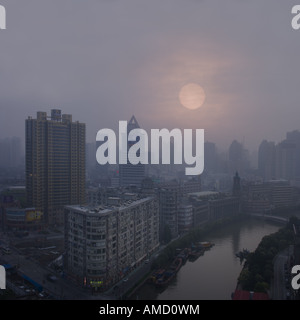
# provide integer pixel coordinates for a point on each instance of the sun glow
(192, 96)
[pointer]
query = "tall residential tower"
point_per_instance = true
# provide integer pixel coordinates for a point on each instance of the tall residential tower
(55, 164)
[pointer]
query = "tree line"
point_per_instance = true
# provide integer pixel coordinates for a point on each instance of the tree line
(258, 270)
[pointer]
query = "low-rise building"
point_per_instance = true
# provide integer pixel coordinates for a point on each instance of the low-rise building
(260, 198)
(22, 219)
(212, 205)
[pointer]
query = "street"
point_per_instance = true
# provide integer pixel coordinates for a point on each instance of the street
(281, 285)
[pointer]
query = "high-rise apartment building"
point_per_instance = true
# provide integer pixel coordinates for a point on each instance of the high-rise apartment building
(55, 164)
(104, 243)
(280, 161)
(238, 158)
(267, 160)
(286, 160)
(131, 174)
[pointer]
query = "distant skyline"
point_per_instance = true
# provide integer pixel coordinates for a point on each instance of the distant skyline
(104, 61)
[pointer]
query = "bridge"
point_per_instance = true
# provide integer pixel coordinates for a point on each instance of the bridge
(270, 217)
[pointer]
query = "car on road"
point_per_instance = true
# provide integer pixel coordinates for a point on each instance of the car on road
(52, 278)
(125, 279)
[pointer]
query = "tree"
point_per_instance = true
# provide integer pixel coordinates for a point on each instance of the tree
(261, 287)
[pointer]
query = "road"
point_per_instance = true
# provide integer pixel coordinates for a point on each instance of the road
(278, 290)
(65, 289)
(281, 284)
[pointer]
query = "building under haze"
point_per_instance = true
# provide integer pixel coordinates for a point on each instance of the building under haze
(267, 160)
(104, 243)
(281, 161)
(131, 174)
(238, 158)
(270, 196)
(55, 164)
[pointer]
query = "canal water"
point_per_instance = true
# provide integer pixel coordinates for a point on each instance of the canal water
(214, 275)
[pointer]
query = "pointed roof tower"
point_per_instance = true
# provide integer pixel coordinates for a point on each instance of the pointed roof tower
(131, 174)
(133, 124)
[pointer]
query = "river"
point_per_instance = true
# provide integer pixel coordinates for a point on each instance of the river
(214, 275)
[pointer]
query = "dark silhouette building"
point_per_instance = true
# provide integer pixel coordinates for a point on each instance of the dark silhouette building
(131, 174)
(266, 160)
(55, 164)
(236, 188)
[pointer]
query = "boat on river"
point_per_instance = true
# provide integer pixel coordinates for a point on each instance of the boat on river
(196, 253)
(184, 255)
(170, 273)
(206, 244)
(198, 249)
(156, 275)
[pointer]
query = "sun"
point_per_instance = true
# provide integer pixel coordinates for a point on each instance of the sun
(192, 96)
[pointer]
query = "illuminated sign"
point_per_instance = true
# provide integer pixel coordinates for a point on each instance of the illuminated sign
(96, 283)
(32, 215)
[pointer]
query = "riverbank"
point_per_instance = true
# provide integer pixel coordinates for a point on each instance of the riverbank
(212, 276)
(167, 254)
(259, 271)
(199, 233)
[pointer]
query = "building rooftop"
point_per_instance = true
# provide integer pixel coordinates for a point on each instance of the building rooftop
(104, 209)
(16, 188)
(278, 181)
(204, 193)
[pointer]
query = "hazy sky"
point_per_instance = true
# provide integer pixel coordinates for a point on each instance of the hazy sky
(105, 60)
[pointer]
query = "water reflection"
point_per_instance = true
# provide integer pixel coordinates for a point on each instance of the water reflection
(212, 276)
